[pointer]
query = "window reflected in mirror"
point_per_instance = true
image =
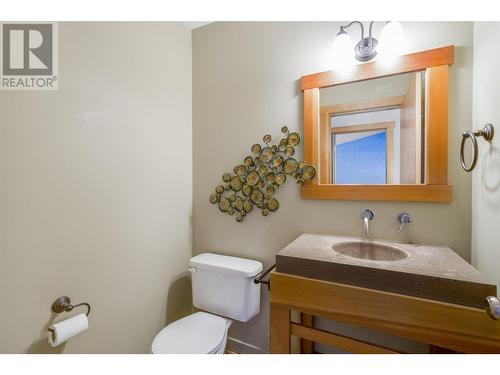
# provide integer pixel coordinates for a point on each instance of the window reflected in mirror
(376, 130)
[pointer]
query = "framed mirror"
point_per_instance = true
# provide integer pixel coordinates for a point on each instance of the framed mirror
(377, 130)
(380, 132)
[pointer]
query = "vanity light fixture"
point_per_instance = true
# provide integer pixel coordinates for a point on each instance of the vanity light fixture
(391, 42)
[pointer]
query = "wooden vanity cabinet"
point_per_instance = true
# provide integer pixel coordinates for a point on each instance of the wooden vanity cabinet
(446, 327)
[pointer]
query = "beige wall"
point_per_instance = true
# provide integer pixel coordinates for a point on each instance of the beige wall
(96, 189)
(245, 84)
(486, 175)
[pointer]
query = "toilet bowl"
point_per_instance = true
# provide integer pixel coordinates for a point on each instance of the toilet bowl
(199, 333)
(223, 287)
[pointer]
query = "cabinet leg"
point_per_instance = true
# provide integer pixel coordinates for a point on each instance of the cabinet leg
(306, 346)
(279, 329)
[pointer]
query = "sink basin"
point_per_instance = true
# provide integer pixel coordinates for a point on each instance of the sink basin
(424, 271)
(370, 251)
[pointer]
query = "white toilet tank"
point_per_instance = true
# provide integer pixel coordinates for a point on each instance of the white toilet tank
(224, 285)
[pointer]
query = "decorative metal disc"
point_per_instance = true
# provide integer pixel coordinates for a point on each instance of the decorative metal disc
(236, 183)
(289, 151)
(284, 130)
(257, 196)
(247, 206)
(262, 170)
(308, 173)
(224, 204)
(266, 154)
(226, 177)
(293, 139)
(270, 178)
(214, 198)
(277, 161)
(252, 178)
(267, 138)
(219, 189)
(248, 161)
(290, 166)
(247, 190)
(255, 149)
(272, 204)
(238, 203)
(240, 170)
(280, 178)
(261, 184)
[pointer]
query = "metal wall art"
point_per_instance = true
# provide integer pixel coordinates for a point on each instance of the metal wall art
(255, 182)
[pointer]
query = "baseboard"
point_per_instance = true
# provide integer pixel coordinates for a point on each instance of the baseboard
(241, 347)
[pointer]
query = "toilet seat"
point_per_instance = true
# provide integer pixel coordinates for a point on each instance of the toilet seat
(199, 333)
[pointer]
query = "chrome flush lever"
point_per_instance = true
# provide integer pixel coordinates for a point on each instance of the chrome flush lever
(403, 219)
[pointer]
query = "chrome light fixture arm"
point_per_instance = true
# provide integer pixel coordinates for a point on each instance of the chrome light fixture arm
(370, 29)
(365, 49)
(352, 23)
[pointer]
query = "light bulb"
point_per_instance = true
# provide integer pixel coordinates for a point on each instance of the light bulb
(392, 40)
(343, 50)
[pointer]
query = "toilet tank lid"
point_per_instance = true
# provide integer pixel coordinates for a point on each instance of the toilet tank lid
(226, 264)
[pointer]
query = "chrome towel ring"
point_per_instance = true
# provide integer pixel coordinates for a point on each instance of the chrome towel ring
(487, 132)
(493, 307)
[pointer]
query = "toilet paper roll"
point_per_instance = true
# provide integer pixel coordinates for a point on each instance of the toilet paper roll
(66, 329)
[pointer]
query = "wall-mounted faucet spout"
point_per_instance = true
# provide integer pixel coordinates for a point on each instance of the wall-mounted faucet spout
(366, 215)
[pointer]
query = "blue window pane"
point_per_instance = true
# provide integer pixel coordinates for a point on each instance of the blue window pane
(361, 161)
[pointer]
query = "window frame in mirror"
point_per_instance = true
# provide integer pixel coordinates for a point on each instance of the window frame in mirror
(387, 127)
(435, 64)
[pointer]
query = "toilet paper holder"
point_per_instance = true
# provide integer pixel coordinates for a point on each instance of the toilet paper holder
(63, 304)
(63, 330)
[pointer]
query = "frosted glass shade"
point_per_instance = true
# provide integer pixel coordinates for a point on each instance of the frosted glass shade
(343, 50)
(392, 40)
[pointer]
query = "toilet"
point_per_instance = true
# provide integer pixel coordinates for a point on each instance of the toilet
(223, 288)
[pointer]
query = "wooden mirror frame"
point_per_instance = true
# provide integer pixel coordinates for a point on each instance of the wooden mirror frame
(317, 140)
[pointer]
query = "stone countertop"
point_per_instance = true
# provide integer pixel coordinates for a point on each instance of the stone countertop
(434, 272)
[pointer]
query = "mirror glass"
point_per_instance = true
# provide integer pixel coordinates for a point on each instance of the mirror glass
(376, 130)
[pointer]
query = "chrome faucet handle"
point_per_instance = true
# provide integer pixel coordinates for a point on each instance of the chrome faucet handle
(367, 214)
(403, 219)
